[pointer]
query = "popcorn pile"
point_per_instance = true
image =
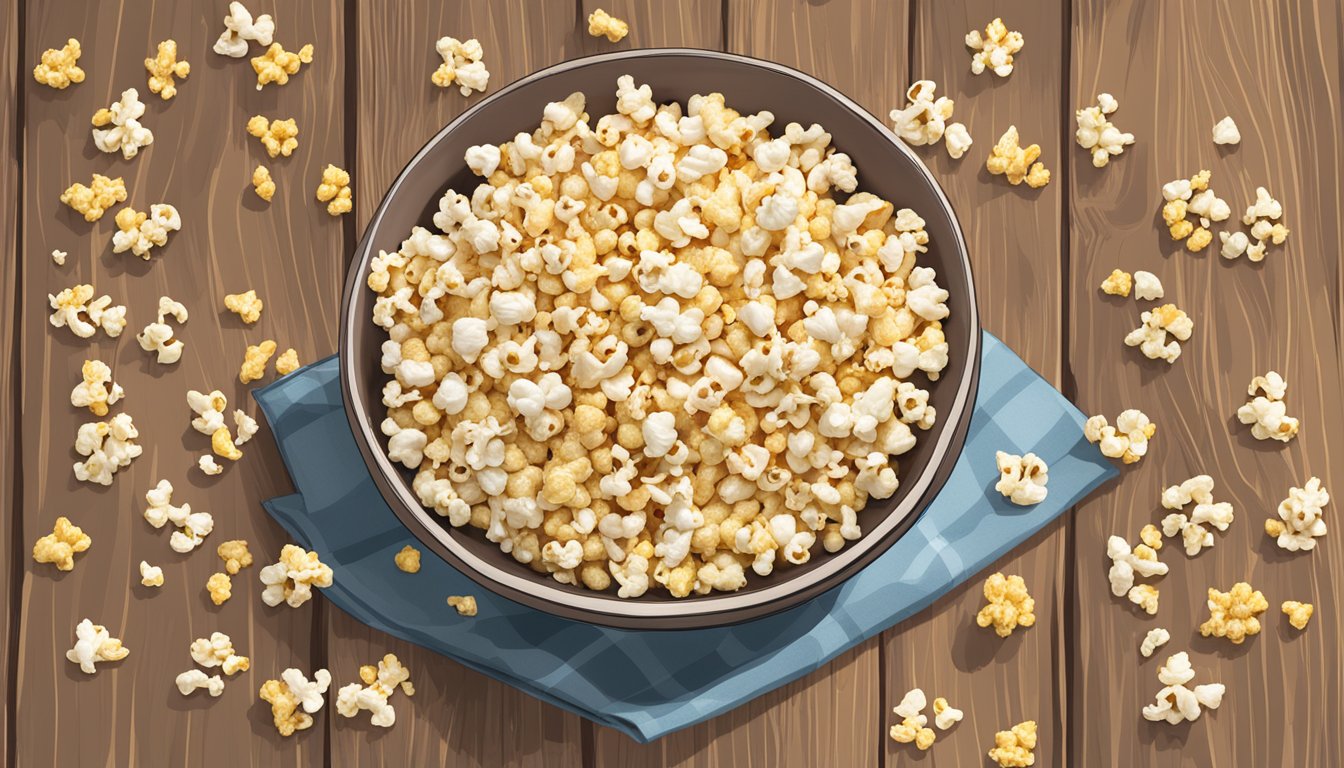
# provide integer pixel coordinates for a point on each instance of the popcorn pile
(913, 727)
(157, 337)
(291, 579)
(1013, 748)
(292, 692)
(139, 232)
(379, 684)
(107, 446)
(924, 120)
(1176, 703)
(192, 527)
(126, 134)
(1127, 440)
(1097, 134)
(1266, 413)
(603, 24)
(1008, 605)
(1233, 614)
(462, 65)
(1141, 561)
(1151, 336)
(1022, 479)
(1199, 491)
(279, 137)
(1016, 163)
(72, 308)
(994, 49)
(1262, 217)
(1182, 200)
(94, 644)
(656, 349)
(1300, 522)
(210, 652)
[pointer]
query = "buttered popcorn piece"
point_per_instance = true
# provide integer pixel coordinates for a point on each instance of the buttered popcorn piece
(240, 28)
(254, 361)
(76, 309)
(158, 337)
(408, 559)
(1298, 613)
(1156, 638)
(1146, 597)
(117, 128)
(287, 362)
(945, 715)
(277, 64)
(1097, 134)
(217, 651)
(107, 447)
(1300, 522)
(924, 120)
(1175, 702)
(1157, 324)
(1195, 536)
(93, 201)
(97, 390)
(279, 137)
(150, 575)
(994, 49)
(603, 24)
(245, 305)
(60, 546)
(334, 190)
(1147, 287)
(291, 579)
(1225, 132)
(1009, 606)
(164, 68)
(1262, 217)
(465, 604)
(194, 679)
(1127, 440)
(140, 232)
(913, 727)
(1266, 412)
(1118, 283)
(379, 684)
(220, 588)
(1014, 748)
(262, 183)
(1184, 197)
(94, 644)
(235, 555)
(1017, 163)
(59, 67)
(294, 699)
(1234, 614)
(1022, 479)
(461, 65)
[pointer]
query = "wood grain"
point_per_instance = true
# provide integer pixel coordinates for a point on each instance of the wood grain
(1176, 69)
(11, 267)
(1014, 237)
(201, 161)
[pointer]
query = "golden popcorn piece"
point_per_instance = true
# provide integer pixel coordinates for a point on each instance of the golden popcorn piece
(245, 305)
(60, 67)
(221, 442)
(287, 362)
(1009, 605)
(408, 559)
(254, 362)
(1118, 283)
(994, 49)
(1145, 596)
(294, 699)
(1298, 613)
(912, 730)
(59, 546)
(97, 390)
(1234, 614)
(1013, 748)
(93, 201)
(465, 604)
(277, 64)
(235, 555)
(603, 24)
(164, 67)
(220, 587)
(1016, 163)
(262, 183)
(1151, 536)
(279, 137)
(334, 190)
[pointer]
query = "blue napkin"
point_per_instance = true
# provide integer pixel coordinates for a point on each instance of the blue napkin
(650, 683)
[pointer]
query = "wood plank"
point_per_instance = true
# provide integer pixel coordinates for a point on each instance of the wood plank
(1176, 69)
(489, 723)
(11, 266)
(1014, 237)
(201, 161)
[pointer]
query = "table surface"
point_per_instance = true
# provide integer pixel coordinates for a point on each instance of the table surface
(366, 104)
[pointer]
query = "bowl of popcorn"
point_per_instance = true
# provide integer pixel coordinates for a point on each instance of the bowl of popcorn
(661, 338)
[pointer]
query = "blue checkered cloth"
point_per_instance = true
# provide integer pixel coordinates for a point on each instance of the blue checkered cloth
(650, 683)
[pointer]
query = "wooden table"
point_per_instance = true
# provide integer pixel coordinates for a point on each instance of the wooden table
(366, 104)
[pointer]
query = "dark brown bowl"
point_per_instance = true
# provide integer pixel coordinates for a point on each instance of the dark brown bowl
(886, 168)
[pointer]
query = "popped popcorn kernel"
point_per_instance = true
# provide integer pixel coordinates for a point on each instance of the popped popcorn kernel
(107, 447)
(945, 715)
(408, 559)
(603, 24)
(1233, 614)
(1151, 337)
(379, 684)
(1298, 613)
(1300, 522)
(126, 134)
(461, 64)
(208, 465)
(58, 256)
(60, 66)
(157, 337)
(994, 49)
(93, 644)
(1022, 479)
(93, 201)
(1013, 748)
(277, 64)
(139, 232)
(465, 604)
(1009, 605)
(1175, 702)
(1098, 135)
(247, 426)
(150, 575)
(1127, 440)
(913, 726)
(245, 305)
(1151, 536)
(1225, 132)
(291, 579)
(192, 527)
(957, 140)
(1146, 597)
(1156, 638)
(262, 183)
(335, 191)
(924, 120)
(60, 546)
(217, 651)
(164, 67)
(254, 361)
(221, 442)
(239, 28)
(287, 362)
(1117, 283)
(1147, 287)
(292, 692)
(1266, 412)
(194, 679)
(1016, 163)
(97, 390)
(235, 555)
(279, 137)
(76, 309)
(220, 588)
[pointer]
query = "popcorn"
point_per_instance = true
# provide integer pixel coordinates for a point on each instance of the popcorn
(164, 67)
(1156, 638)
(247, 427)
(334, 190)
(602, 24)
(254, 362)
(1262, 217)
(93, 644)
(1199, 490)
(220, 588)
(277, 64)
(217, 651)
(1097, 134)
(1177, 703)
(945, 715)
(150, 575)
(1011, 160)
(924, 120)
(408, 559)
(60, 67)
(279, 137)
(1009, 605)
(107, 447)
(1151, 336)
(93, 201)
(957, 140)
(59, 546)
(188, 682)
(209, 410)
(291, 692)
(140, 232)
(97, 390)
(72, 308)
(994, 49)
(157, 337)
(245, 305)
(262, 183)
(287, 362)
(1267, 413)
(381, 683)
(1147, 287)
(1300, 522)
(58, 256)
(1225, 132)
(1117, 283)
(465, 604)
(1126, 564)
(1186, 196)
(221, 442)
(126, 135)
(291, 579)
(1022, 479)
(1146, 597)
(1233, 614)
(461, 64)
(1013, 748)
(239, 28)
(235, 555)
(1298, 613)
(208, 465)
(1127, 440)
(193, 527)
(912, 727)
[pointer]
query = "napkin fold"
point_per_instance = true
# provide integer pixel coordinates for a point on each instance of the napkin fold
(650, 683)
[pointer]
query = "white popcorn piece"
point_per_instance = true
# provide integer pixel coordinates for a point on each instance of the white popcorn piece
(209, 410)
(913, 725)
(150, 575)
(291, 579)
(945, 715)
(194, 679)
(1147, 287)
(1022, 479)
(379, 686)
(1175, 702)
(1194, 535)
(93, 644)
(193, 527)
(140, 233)
(208, 465)
(217, 651)
(1097, 134)
(461, 65)
(1300, 522)
(957, 140)
(107, 446)
(240, 28)
(1127, 563)
(246, 425)
(97, 390)
(126, 134)
(1225, 132)
(58, 256)
(1156, 638)
(1127, 440)
(994, 49)
(924, 120)
(1266, 413)
(76, 309)
(158, 337)
(1157, 324)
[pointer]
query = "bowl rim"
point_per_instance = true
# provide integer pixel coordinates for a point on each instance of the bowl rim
(576, 603)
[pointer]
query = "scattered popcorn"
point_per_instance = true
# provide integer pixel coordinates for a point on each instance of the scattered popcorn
(1262, 217)
(235, 555)
(1147, 287)
(291, 692)
(602, 24)
(262, 183)
(277, 64)
(150, 575)
(163, 68)
(334, 190)
(461, 64)
(1232, 614)
(126, 135)
(1127, 440)
(58, 256)
(913, 725)
(1126, 564)
(191, 680)
(1186, 196)
(92, 202)
(1298, 613)
(292, 578)
(60, 67)
(1017, 164)
(107, 446)
(254, 362)
(1022, 479)
(1117, 283)
(97, 390)
(1013, 748)
(1267, 413)
(192, 527)
(1097, 134)
(76, 309)
(245, 305)
(381, 683)
(217, 651)
(1156, 638)
(208, 465)
(93, 644)
(465, 604)
(1177, 703)
(924, 120)
(59, 546)
(1151, 336)
(157, 337)
(279, 137)
(239, 28)
(1197, 490)
(408, 559)
(220, 588)
(945, 715)
(1009, 605)
(1300, 522)
(994, 49)
(139, 232)
(1225, 132)
(287, 362)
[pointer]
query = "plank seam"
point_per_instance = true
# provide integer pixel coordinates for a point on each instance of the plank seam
(16, 566)
(1063, 700)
